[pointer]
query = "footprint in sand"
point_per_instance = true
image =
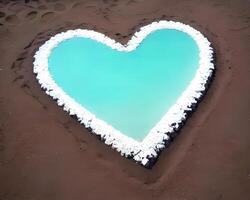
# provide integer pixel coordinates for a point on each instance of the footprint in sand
(31, 15)
(42, 7)
(17, 78)
(12, 19)
(83, 146)
(3, 4)
(59, 7)
(2, 14)
(78, 4)
(47, 15)
(17, 7)
(22, 56)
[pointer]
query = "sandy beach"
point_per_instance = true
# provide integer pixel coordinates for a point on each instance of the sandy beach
(46, 154)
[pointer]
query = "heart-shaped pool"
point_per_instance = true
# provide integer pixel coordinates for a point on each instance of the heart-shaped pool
(133, 95)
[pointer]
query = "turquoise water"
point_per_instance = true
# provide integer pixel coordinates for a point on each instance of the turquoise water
(129, 90)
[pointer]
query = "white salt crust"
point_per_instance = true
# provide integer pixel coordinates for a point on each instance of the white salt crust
(147, 150)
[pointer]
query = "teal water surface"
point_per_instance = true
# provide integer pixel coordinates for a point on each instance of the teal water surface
(129, 90)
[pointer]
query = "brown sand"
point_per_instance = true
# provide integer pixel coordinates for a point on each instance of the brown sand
(45, 154)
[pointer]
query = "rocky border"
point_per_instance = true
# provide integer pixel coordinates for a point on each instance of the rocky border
(147, 151)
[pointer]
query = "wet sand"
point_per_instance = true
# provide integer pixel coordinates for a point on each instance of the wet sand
(45, 154)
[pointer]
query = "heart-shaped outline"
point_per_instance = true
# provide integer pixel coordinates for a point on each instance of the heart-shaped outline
(147, 151)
